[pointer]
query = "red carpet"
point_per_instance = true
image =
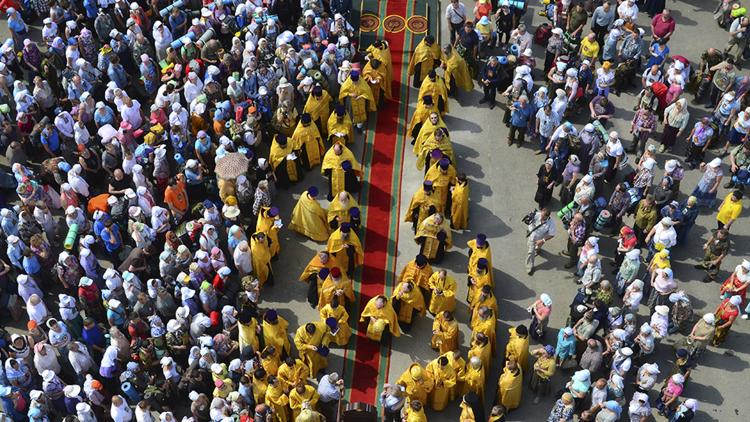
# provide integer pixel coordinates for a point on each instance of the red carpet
(367, 353)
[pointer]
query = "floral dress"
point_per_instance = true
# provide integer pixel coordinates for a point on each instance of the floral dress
(702, 191)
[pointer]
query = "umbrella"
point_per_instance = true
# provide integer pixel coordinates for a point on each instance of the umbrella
(231, 165)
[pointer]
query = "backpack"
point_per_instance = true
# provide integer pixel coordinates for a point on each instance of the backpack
(542, 34)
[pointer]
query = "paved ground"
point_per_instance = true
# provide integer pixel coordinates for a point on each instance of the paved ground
(502, 187)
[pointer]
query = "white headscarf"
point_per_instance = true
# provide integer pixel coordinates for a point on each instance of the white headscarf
(77, 182)
(121, 413)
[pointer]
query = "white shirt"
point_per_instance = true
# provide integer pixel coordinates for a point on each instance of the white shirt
(81, 134)
(561, 131)
(132, 114)
(742, 124)
(615, 149)
(545, 230)
(49, 32)
(81, 360)
(192, 90)
(628, 12)
(455, 13)
(64, 123)
(667, 236)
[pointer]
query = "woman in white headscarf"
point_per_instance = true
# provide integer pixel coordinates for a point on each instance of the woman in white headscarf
(686, 411)
(162, 39)
(45, 358)
(633, 295)
(120, 411)
(639, 409)
(76, 182)
(28, 287)
(193, 87)
(36, 309)
(145, 200)
(139, 179)
(243, 259)
(85, 413)
(209, 238)
(108, 366)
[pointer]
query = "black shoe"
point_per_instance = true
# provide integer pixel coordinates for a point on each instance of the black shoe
(729, 185)
(492, 106)
(699, 267)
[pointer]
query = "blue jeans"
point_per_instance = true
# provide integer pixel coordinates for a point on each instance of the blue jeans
(543, 140)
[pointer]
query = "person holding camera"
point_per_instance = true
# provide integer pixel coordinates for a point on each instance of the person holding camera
(540, 229)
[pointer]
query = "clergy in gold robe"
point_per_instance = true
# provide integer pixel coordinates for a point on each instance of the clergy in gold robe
(375, 76)
(417, 383)
(434, 85)
(434, 148)
(337, 318)
(460, 203)
(478, 280)
(274, 329)
(408, 302)
(425, 106)
(434, 237)
(486, 323)
(269, 360)
(414, 411)
(340, 126)
(467, 412)
(456, 71)
(459, 366)
(277, 399)
(480, 348)
(344, 244)
(510, 385)
(339, 178)
(381, 51)
(260, 384)
(475, 376)
(433, 122)
(284, 161)
(442, 175)
(356, 93)
(339, 209)
(479, 248)
(311, 341)
(309, 218)
(292, 372)
(269, 223)
(425, 58)
(307, 142)
(444, 332)
(381, 318)
(443, 289)
(418, 270)
(518, 346)
(337, 284)
(444, 378)
(300, 394)
(318, 106)
(321, 260)
(247, 333)
(260, 250)
(423, 203)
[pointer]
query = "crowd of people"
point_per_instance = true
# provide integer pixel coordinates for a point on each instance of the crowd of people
(150, 143)
(593, 51)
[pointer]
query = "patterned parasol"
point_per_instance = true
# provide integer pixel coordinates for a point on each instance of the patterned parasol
(232, 165)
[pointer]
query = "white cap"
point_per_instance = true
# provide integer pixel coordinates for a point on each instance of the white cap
(649, 163)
